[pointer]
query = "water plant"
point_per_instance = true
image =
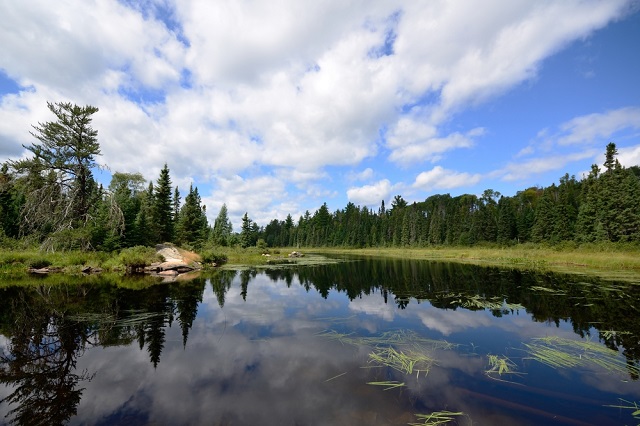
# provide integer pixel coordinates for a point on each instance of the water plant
(404, 362)
(437, 418)
(390, 384)
(559, 352)
(630, 405)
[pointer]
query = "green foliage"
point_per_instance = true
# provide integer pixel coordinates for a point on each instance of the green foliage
(38, 262)
(162, 213)
(222, 228)
(210, 257)
(57, 181)
(192, 225)
(138, 257)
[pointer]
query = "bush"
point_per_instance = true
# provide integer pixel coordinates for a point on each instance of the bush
(138, 257)
(38, 262)
(209, 257)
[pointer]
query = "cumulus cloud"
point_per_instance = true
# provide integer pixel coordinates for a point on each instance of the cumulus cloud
(598, 126)
(525, 169)
(629, 156)
(415, 150)
(219, 90)
(441, 178)
(370, 195)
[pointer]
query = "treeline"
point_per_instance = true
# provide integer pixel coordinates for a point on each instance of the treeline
(53, 200)
(605, 206)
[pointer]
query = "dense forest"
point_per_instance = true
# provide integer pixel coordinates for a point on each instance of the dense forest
(52, 199)
(605, 206)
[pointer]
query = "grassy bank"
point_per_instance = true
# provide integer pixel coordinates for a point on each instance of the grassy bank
(608, 261)
(16, 262)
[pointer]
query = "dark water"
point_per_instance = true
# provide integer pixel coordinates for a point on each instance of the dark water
(299, 347)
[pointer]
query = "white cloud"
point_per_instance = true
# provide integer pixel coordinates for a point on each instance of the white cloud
(364, 175)
(288, 88)
(525, 169)
(256, 196)
(412, 149)
(440, 178)
(629, 156)
(370, 195)
(598, 126)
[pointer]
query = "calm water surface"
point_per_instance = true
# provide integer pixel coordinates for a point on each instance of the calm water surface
(367, 342)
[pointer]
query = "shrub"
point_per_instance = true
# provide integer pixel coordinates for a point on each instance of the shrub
(210, 257)
(38, 262)
(138, 257)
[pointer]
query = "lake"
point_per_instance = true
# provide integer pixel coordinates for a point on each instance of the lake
(360, 342)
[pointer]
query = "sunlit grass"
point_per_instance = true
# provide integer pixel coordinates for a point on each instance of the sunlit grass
(607, 260)
(391, 384)
(437, 418)
(393, 337)
(558, 352)
(629, 405)
(480, 302)
(404, 362)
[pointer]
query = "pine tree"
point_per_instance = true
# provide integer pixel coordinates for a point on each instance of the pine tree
(192, 221)
(58, 180)
(163, 207)
(222, 228)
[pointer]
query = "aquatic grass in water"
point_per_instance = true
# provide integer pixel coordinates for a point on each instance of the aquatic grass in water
(500, 365)
(398, 338)
(391, 384)
(630, 406)
(480, 302)
(558, 352)
(437, 418)
(404, 362)
(104, 319)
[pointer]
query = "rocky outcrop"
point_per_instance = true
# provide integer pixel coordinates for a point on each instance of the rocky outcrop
(176, 262)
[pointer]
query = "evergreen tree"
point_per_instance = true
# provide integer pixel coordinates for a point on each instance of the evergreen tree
(58, 180)
(222, 228)
(192, 221)
(10, 202)
(245, 233)
(506, 221)
(163, 207)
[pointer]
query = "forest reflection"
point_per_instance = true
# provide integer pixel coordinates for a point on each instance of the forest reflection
(48, 327)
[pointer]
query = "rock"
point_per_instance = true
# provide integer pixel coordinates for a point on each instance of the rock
(296, 254)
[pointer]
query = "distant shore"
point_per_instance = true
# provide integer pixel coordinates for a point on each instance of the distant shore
(611, 262)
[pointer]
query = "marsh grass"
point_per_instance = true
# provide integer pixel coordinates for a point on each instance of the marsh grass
(390, 384)
(132, 319)
(629, 405)
(607, 260)
(437, 418)
(480, 302)
(396, 338)
(499, 366)
(558, 352)
(405, 362)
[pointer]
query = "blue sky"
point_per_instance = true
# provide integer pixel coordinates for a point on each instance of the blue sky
(276, 107)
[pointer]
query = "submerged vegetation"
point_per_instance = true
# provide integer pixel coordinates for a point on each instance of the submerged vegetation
(558, 352)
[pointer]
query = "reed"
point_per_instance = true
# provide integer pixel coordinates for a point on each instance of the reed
(391, 384)
(437, 418)
(404, 362)
(558, 352)
(628, 405)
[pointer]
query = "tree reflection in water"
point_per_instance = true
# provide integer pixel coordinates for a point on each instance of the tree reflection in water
(50, 327)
